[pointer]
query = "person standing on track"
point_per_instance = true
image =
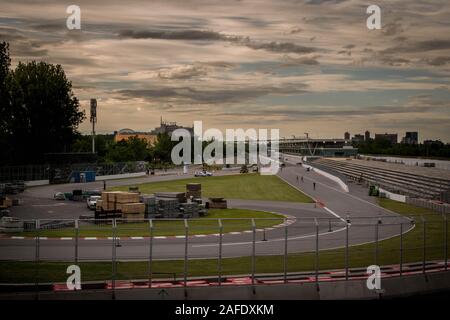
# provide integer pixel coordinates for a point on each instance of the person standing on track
(302, 178)
(314, 185)
(297, 179)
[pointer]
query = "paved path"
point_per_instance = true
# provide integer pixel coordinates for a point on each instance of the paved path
(361, 209)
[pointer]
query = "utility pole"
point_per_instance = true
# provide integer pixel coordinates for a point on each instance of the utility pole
(93, 121)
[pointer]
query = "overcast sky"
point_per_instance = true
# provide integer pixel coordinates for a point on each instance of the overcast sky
(300, 65)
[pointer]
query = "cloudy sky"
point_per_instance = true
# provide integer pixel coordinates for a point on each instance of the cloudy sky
(297, 65)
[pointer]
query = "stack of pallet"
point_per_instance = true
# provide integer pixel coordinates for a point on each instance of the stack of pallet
(149, 200)
(120, 201)
(168, 207)
(217, 203)
(194, 190)
(190, 210)
(133, 211)
(179, 196)
(5, 202)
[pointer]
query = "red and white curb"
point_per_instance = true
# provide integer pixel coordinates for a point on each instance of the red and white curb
(289, 220)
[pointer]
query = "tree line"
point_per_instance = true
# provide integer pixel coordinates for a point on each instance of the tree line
(381, 146)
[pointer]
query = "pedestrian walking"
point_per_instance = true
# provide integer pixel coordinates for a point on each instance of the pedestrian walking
(314, 185)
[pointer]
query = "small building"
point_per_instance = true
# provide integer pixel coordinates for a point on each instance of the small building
(125, 134)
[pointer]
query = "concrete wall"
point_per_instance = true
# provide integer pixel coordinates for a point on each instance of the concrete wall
(393, 196)
(35, 183)
(328, 290)
(120, 176)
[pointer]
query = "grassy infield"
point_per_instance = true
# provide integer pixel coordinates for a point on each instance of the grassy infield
(359, 256)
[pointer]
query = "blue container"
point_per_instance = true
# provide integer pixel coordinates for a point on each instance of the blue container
(89, 176)
(75, 177)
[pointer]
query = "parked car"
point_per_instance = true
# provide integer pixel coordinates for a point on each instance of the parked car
(92, 202)
(202, 174)
(59, 196)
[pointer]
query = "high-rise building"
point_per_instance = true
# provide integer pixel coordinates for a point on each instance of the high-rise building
(358, 138)
(347, 136)
(391, 137)
(367, 136)
(411, 137)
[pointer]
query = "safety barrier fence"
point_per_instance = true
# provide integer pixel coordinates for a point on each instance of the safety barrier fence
(195, 252)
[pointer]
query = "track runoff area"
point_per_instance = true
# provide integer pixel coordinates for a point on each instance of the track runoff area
(338, 218)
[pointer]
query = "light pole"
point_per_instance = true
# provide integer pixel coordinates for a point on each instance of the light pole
(93, 121)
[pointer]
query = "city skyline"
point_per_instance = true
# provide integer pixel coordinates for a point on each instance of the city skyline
(300, 66)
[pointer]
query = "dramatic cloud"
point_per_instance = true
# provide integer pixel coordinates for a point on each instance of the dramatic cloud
(299, 66)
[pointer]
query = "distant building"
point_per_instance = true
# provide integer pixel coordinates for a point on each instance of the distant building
(367, 136)
(125, 134)
(358, 138)
(391, 137)
(317, 147)
(411, 137)
(433, 143)
(347, 136)
(169, 127)
(152, 136)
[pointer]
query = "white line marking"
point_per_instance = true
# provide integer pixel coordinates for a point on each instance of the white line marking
(274, 240)
(137, 238)
(65, 238)
(180, 237)
(17, 238)
(160, 237)
(90, 238)
(200, 235)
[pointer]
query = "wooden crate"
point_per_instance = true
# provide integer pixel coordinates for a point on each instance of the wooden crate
(120, 197)
(133, 208)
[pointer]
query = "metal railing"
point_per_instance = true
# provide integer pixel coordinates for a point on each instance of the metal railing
(284, 250)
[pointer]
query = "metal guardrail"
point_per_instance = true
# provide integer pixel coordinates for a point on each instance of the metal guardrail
(428, 243)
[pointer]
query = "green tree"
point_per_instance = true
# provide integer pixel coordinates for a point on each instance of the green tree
(133, 149)
(163, 148)
(41, 113)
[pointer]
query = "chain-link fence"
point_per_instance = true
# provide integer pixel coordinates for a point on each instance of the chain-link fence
(134, 253)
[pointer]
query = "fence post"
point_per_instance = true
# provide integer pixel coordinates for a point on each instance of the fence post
(76, 240)
(424, 223)
(285, 250)
(376, 240)
(316, 264)
(113, 280)
(346, 247)
(401, 248)
(446, 242)
(219, 262)
(150, 254)
(37, 257)
(253, 253)
(186, 234)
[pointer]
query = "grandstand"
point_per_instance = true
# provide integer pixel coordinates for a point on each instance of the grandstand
(427, 183)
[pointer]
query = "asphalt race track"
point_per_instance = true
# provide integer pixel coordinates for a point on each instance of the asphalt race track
(333, 208)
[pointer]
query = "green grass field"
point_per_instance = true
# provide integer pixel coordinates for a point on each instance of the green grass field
(233, 220)
(359, 256)
(243, 186)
